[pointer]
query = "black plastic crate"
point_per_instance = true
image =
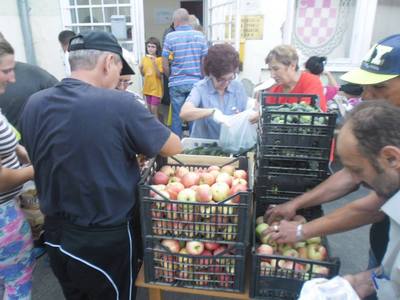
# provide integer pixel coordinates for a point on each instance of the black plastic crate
(292, 152)
(271, 280)
(222, 222)
(222, 272)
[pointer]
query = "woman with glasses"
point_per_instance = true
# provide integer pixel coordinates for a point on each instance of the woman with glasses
(217, 95)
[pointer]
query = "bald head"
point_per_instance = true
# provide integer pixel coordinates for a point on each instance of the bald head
(180, 17)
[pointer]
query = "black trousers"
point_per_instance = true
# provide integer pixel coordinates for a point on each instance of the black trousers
(92, 262)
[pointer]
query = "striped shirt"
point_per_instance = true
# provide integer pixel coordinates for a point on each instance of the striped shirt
(185, 48)
(8, 156)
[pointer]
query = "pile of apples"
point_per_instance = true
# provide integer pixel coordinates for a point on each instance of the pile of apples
(311, 249)
(195, 263)
(175, 191)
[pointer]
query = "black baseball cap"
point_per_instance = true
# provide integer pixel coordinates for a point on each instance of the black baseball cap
(103, 41)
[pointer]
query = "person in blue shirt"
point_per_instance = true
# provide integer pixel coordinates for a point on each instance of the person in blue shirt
(216, 96)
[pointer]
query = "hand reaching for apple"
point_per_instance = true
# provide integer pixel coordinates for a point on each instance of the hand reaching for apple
(286, 210)
(286, 232)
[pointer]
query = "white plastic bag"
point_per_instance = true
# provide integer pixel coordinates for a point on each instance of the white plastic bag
(337, 288)
(239, 134)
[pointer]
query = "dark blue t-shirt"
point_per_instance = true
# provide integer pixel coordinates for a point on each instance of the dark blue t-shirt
(82, 141)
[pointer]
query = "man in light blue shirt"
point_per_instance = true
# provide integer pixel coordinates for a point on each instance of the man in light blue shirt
(185, 49)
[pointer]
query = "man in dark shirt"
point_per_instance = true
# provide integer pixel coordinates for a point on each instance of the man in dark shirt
(82, 137)
(29, 80)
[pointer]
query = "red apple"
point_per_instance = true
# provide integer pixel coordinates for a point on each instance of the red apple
(265, 250)
(214, 173)
(211, 246)
(171, 245)
(213, 168)
(236, 189)
(290, 252)
(161, 194)
(207, 178)
(303, 253)
(229, 169)
(237, 181)
(220, 191)
(316, 252)
(224, 177)
(240, 174)
(181, 171)
(160, 178)
(174, 188)
(219, 250)
(190, 179)
(195, 247)
(203, 193)
(205, 261)
(174, 179)
(167, 170)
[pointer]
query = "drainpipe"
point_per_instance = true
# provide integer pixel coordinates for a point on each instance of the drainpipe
(23, 10)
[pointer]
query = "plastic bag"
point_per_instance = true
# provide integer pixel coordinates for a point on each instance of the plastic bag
(337, 288)
(239, 135)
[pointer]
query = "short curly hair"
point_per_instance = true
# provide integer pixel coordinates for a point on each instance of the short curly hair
(221, 59)
(284, 54)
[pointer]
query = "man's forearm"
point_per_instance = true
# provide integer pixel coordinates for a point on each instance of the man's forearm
(355, 214)
(337, 185)
(195, 113)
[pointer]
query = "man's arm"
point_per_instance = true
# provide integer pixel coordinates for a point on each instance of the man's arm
(172, 146)
(189, 112)
(355, 214)
(337, 185)
(165, 64)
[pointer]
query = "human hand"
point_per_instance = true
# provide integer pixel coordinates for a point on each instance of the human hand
(285, 232)
(22, 154)
(254, 117)
(220, 118)
(286, 211)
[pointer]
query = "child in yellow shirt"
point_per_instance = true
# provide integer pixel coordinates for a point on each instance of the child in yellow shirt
(151, 70)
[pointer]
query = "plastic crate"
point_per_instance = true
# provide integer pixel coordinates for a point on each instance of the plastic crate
(222, 222)
(190, 143)
(285, 282)
(222, 272)
(293, 152)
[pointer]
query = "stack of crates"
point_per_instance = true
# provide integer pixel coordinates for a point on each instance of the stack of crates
(224, 226)
(293, 153)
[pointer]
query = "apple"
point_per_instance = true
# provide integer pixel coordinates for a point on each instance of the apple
(260, 220)
(181, 171)
(265, 250)
(320, 270)
(260, 228)
(236, 189)
(195, 247)
(174, 179)
(265, 238)
(205, 261)
(242, 174)
(203, 193)
(207, 178)
(299, 219)
(213, 168)
(219, 250)
(157, 187)
(220, 191)
(167, 170)
(171, 245)
(290, 252)
(211, 246)
(237, 181)
(187, 195)
(224, 177)
(314, 240)
(316, 252)
(174, 188)
(190, 178)
(303, 253)
(265, 268)
(229, 169)
(300, 245)
(160, 178)
(214, 173)
(161, 195)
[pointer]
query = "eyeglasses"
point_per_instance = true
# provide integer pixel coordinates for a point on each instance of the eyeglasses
(125, 82)
(225, 80)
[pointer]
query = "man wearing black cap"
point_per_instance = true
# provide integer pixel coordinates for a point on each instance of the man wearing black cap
(83, 136)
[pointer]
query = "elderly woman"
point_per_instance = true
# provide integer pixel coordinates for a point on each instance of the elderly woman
(283, 63)
(217, 95)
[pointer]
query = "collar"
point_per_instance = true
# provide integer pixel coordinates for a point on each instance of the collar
(183, 28)
(391, 207)
(212, 89)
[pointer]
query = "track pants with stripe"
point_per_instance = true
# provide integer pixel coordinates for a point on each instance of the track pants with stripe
(92, 262)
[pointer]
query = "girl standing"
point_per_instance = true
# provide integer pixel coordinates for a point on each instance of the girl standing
(151, 70)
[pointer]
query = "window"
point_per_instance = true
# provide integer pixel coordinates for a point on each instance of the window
(83, 15)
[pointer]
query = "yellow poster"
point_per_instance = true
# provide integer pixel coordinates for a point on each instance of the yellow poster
(251, 27)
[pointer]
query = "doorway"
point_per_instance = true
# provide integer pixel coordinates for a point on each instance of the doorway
(194, 8)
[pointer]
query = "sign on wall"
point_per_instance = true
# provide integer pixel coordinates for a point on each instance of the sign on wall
(251, 27)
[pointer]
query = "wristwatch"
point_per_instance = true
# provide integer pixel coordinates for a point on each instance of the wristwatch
(299, 232)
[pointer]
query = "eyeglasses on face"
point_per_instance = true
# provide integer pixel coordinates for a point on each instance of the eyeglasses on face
(125, 82)
(225, 79)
